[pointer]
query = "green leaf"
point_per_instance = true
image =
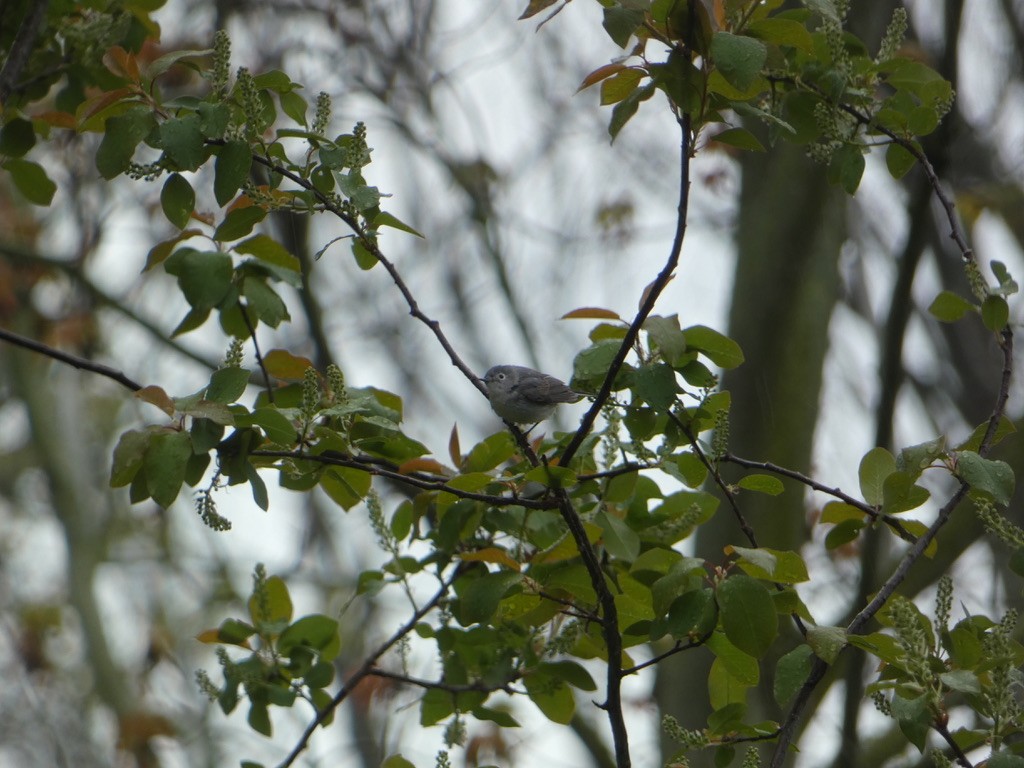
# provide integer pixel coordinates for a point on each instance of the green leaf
(994, 478)
(397, 761)
(572, 673)
(178, 200)
(259, 719)
(479, 601)
(204, 276)
(748, 614)
(723, 688)
(692, 615)
(691, 469)
(227, 384)
(294, 106)
(843, 533)
(949, 307)
(876, 465)
(165, 462)
(239, 223)
(231, 169)
(785, 32)
(995, 313)
(916, 458)
(963, 680)
(272, 605)
(620, 85)
(913, 717)
(741, 666)
(1005, 760)
(552, 697)
(621, 23)
(500, 717)
(490, 453)
(17, 137)
(771, 564)
(213, 119)
(716, 347)
(620, 540)
(973, 443)
(900, 494)
(768, 484)
(667, 337)
(738, 58)
(1007, 285)
(346, 487)
(235, 632)
(182, 140)
(267, 249)
(740, 138)
(365, 258)
(278, 427)
(120, 138)
(847, 167)
(898, 160)
(625, 109)
(655, 383)
(435, 706)
(31, 180)
(826, 642)
(318, 633)
(264, 301)
(385, 219)
(791, 673)
(128, 457)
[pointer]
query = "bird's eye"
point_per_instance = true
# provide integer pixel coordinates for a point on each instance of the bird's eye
(500, 377)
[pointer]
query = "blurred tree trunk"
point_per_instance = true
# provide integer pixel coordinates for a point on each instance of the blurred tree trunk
(785, 287)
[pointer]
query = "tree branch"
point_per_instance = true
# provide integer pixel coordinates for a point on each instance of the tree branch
(21, 49)
(72, 360)
(859, 621)
(366, 668)
(420, 480)
(650, 297)
(867, 509)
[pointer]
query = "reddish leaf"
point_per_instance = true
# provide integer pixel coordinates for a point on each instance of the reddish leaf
(491, 555)
(422, 465)
(536, 6)
(155, 395)
(454, 449)
(601, 73)
(591, 313)
(282, 364)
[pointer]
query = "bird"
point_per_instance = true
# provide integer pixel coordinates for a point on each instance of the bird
(522, 395)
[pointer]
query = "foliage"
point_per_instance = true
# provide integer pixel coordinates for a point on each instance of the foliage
(554, 554)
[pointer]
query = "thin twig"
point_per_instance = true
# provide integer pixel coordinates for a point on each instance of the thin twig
(440, 685)
(74, 270)
(72, 360)
(943, 730)
(653, 292)
(861, 506)
(365, 669)
(426, 482)
(259, 357)
(717, 477)
(859, 621)
(679, 647)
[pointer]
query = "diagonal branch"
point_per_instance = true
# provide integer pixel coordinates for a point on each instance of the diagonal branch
(366, 669)
(867, 509)
(650, 297)
(73, 360)
(915, 552)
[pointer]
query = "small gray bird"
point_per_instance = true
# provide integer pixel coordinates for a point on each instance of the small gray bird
(525, 396)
